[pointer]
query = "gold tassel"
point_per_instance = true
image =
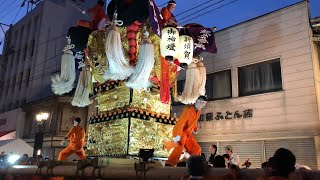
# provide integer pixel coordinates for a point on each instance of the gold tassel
(119, 68)
(81, 96)
(175, 91)
(63, 83)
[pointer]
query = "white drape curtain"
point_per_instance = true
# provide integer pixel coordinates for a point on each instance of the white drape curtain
(260, 78)
(221, 85)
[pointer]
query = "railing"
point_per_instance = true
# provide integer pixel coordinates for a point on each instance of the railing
(91, 170)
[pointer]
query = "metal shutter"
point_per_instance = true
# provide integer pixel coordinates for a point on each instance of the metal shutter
(252, 150)
(303, 149)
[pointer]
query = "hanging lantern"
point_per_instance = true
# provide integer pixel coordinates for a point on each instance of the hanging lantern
(169, 44)
(185, 49)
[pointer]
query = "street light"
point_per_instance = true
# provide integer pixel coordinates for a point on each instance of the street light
(41, 117)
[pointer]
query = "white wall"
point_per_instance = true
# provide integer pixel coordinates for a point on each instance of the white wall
(14, 121)
(292, 112)
(57, 18)
(46, 25)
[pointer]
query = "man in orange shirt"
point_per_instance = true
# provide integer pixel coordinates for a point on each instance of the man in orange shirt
(97, 14)
(77, 141)
(168, 17)
(183, 130)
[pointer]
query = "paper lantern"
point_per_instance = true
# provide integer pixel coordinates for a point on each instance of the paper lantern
(169, 44)
(185, 49)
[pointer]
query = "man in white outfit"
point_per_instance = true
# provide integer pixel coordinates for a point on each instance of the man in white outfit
(234, 159)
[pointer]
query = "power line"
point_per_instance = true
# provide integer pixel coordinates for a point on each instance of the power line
(38, 64)
(1, 41)
(196, 7)
(40, 44)
(210, 11)
(8, 5)
(2, 4)
(44, 42)
(32, 79)
(199, 11)
(9, 12)
(16, 15)
(39, 76)
(163, 4)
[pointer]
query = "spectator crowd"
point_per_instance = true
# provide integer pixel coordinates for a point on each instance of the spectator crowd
(282, 166)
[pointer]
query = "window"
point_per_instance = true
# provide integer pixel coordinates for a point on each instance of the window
(32, 47)
(24, 51)
(9, 106)
(260, 78)
(28, 76)
(20, 80)
(218, 85)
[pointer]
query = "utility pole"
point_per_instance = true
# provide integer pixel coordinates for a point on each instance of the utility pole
(30, 4)
(7, 38)
(6, 52)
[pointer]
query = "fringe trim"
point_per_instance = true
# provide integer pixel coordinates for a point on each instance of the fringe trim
(64, 82)
(81, 96)
(203, 78)
(191, 87)
(119, 68)
(140, 79)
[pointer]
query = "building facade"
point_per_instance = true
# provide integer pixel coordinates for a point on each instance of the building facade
(31, 56)
(263, 89)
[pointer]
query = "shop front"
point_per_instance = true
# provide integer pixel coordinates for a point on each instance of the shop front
(263, 89)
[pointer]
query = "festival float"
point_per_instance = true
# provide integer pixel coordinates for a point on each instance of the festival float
(130, 63)
(130, 59)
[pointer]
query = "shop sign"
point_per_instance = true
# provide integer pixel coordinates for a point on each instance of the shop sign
(248, 113)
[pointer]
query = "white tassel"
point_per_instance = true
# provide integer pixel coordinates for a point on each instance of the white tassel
(140, 78)
(203, 79)
(192, 84)
(63, 83)
(119, 68)
(81, 96)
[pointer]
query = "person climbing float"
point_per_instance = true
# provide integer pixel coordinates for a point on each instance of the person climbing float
(183, 132)
(97, 14)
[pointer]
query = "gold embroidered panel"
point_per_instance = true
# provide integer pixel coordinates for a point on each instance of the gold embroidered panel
(149, 135)
(114, 99)
(108, 138)
(150, 102)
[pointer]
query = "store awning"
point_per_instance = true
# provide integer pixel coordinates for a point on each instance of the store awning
(16, 146)
(7, 135)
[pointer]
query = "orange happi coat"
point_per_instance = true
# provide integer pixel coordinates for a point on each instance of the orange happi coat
(168, 17)
(97, 14)
(77, 141)
(186, 124)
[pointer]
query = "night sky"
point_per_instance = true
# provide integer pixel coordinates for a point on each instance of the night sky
(223, 14)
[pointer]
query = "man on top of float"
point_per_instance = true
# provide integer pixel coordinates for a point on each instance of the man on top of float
(184, 129)
(168, 17)
(97, 14)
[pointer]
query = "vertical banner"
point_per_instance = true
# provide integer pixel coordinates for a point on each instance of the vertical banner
(154, 17)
